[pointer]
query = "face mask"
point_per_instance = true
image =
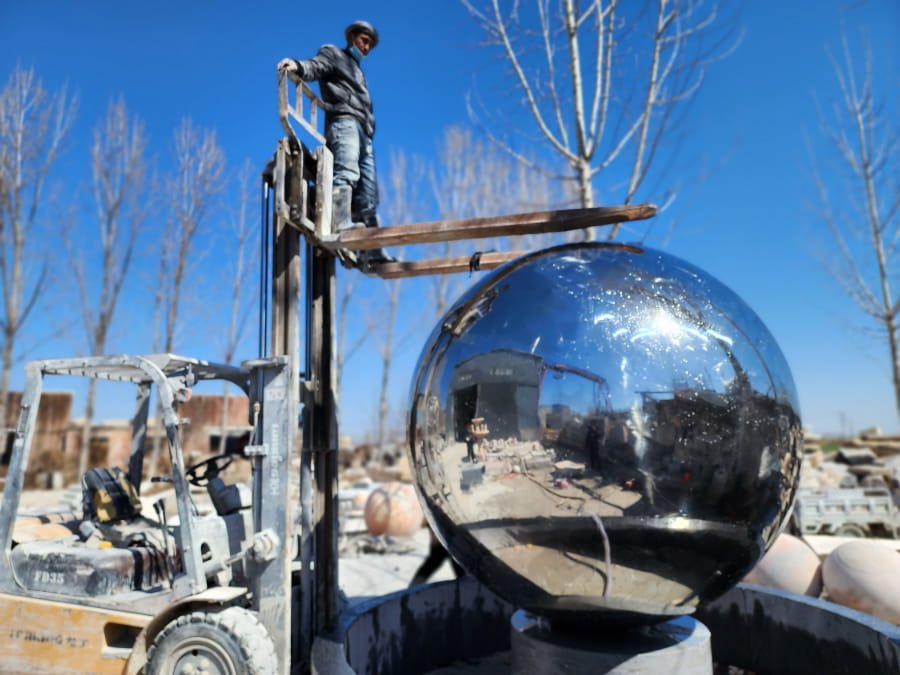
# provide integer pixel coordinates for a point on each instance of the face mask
(355, 53)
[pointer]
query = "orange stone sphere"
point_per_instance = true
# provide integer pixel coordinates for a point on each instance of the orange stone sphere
(393, 510)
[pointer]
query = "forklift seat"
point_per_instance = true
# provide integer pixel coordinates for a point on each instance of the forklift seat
(108, 496)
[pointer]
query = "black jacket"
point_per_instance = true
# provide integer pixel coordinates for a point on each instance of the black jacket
(341, 83)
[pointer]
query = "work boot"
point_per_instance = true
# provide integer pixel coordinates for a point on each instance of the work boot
(376, 256)
(341, 220)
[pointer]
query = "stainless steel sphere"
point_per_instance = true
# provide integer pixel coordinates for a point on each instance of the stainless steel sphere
(604, 432)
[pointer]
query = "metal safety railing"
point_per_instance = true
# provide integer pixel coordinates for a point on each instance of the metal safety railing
(304, 108)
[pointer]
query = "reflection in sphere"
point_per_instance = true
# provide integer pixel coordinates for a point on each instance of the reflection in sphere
(605, 429)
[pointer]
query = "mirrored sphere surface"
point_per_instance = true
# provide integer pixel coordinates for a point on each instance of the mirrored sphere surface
(604, 432)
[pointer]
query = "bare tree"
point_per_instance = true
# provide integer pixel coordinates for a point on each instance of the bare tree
(389, 322)
(33, 125)
(348, 284)
(243, 237)
(404, 179)
(454, 182)
(120, 188)
(476, 178)
(602, 79)
(864, 232)
(195, 180)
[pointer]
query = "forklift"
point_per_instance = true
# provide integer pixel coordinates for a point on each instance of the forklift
(111, 590)
(243, 588)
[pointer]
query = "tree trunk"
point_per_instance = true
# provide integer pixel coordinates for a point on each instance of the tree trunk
(876, 228)
(223, 436)
(545, 51)
(387, 356)
(866, 280)
(11, 325)
(895, 358)
(84, 454)
(4, 387)
(585, 191)
(33, 125)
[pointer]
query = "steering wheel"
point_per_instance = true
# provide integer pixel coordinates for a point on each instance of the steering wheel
(201, 473)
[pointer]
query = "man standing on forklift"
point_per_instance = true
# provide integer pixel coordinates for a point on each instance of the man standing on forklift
(349, 126)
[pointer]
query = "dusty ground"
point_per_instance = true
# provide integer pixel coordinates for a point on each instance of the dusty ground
(41, 499)
(373, 574)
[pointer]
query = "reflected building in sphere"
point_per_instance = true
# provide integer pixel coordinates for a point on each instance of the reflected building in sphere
(605, 432)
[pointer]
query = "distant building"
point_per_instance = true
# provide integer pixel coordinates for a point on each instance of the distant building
(57, 438)
(502, 387)
(48, 445)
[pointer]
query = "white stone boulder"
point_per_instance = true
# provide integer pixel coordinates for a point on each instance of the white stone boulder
(864, 575)
(790, 565)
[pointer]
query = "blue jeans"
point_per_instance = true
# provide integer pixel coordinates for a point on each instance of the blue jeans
(354, 164)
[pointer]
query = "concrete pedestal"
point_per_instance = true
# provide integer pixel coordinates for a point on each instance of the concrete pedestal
(679, 646)
(429, 627)
(471, 473)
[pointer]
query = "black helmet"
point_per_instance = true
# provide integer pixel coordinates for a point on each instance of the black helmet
(362, 27)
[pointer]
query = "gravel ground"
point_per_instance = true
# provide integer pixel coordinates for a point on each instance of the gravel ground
(368, 575)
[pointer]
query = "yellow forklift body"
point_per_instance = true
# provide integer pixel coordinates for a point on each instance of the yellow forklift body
(43, 636)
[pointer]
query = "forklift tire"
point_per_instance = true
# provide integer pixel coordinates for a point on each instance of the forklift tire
(228, 642)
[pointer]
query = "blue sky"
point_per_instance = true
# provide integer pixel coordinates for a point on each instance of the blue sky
(751, 221)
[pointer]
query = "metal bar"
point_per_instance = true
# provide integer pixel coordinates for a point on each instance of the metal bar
(15, 477)
(286, 111)
(282, 152)
(417, 268)
(298, 186)
(493, 226)
(271, 574)
(311, 130)
(139, 436)
(324, 441)
(265, 233)
(285, 327)
(324, 176)
(305, 602)
(298, 105)
(292, 167)
(285, 290)
(284, 108)
(193, 580)
(313, 107)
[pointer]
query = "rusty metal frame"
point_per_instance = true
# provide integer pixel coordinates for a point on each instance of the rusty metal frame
(288, 111)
